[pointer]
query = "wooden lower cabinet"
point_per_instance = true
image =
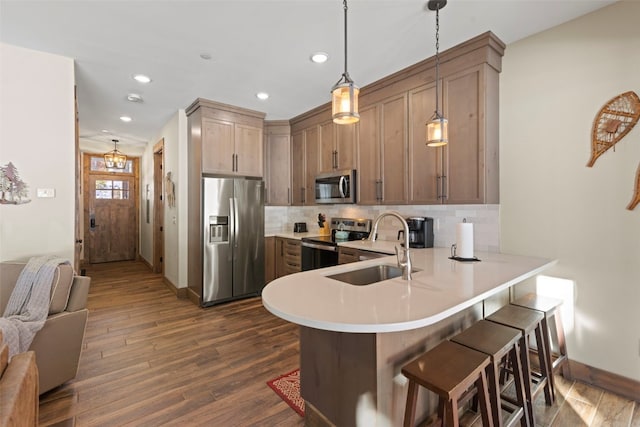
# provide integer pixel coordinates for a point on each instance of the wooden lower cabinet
(288, 258)
(269, 259)
(347, 255)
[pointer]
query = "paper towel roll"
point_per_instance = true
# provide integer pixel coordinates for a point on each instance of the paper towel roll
(464, 240)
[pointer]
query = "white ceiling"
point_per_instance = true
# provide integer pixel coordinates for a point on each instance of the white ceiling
(255, 45)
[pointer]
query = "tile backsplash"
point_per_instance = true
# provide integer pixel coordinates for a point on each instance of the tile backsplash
(486, 220)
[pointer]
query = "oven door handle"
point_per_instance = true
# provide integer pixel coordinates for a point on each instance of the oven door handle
(321, 247)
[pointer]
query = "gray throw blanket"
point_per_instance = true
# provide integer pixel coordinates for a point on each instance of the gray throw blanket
(28, 306)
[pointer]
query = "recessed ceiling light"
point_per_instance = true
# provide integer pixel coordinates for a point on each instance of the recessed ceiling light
(105, 131)
(134, 97)
(262, 95)
(319, 57)
(141, 78)
(125, 118)
(205, 56)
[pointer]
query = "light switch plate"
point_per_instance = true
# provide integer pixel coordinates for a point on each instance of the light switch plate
(46, 192)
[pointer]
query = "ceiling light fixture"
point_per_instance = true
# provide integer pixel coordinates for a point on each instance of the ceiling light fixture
(115, 159)
(438, 126)
(262, 95)
(319, 57)
(344, 98)
(134, 97)
(126, 119)
(141, 78)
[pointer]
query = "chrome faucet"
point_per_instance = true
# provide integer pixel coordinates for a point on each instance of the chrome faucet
(405, 262)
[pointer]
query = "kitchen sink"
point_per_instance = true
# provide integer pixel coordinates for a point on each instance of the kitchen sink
(369, 275)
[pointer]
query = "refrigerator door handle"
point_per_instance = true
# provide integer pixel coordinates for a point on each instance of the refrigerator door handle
(232, 224)
(236, 231)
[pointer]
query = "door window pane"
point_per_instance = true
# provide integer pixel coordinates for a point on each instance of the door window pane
(112, 189)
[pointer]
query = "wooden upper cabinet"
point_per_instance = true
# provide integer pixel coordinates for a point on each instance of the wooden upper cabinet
(218, 146)
(248, 150)
(327, 146)
(277, 163)
(470, 159)
(345, 157)
(297, 169)
(394, 150)
(424, 162)
(312, 163)
(228, 140)
(382, 152)
(368, 160)
(231, 148)
(337, 146)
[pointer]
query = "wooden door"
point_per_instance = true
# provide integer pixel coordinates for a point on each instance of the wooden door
(394, 149)
(368, 157)
(327, 147)
(423, 161)
(311, 148)
(112, 218)
(217, 146)
(297, 169)
(464, 156)
(248, 150)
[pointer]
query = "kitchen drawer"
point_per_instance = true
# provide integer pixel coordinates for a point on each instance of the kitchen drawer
(288, 254)
(347, 255)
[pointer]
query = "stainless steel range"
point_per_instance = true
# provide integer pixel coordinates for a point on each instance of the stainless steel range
(322, 251)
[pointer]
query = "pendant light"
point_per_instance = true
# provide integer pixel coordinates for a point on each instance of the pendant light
(344, 98)
(438, 126)
(115, 159)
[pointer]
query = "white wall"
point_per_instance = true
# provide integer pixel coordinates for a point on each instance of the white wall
(552, 86)
(174, 133)
(37, 134)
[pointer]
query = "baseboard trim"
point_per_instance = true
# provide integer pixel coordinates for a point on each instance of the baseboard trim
(605, 380)
(145, 262)
(193, 297)
(180, 293)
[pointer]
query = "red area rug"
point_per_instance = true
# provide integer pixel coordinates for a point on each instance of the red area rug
(287, 386)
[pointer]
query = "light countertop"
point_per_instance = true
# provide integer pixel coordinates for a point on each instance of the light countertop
(442, 288)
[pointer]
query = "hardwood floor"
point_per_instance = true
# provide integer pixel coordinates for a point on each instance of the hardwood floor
(150, 359)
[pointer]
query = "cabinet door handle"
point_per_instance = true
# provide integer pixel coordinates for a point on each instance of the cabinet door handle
(288, 196)
(303, 194)
(335, 159)
(444, 187)
(438, 187)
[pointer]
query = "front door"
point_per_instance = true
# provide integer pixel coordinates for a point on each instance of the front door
(111, 233)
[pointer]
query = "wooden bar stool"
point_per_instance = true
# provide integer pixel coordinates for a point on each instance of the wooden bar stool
(550, 307)
(528, 322)
(449, 370)
(498, 341)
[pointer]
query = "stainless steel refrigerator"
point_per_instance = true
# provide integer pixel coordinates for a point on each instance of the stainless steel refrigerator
(233, 246)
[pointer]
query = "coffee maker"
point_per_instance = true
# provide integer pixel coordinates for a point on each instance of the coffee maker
(420, 232)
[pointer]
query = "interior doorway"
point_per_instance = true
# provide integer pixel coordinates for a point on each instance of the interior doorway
(111, 210)
(158, 207)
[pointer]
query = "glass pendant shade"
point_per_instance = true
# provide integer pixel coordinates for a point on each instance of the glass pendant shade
(344, 100)
(115, 159)
(437, 131)
(344, 94)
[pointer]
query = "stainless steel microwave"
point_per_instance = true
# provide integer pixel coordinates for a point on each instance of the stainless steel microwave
(336, 187)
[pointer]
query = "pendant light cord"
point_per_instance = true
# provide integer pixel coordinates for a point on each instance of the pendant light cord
(346, 74)
(437, 54)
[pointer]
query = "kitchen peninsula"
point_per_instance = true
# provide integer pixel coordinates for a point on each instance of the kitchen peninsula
(355, 339)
